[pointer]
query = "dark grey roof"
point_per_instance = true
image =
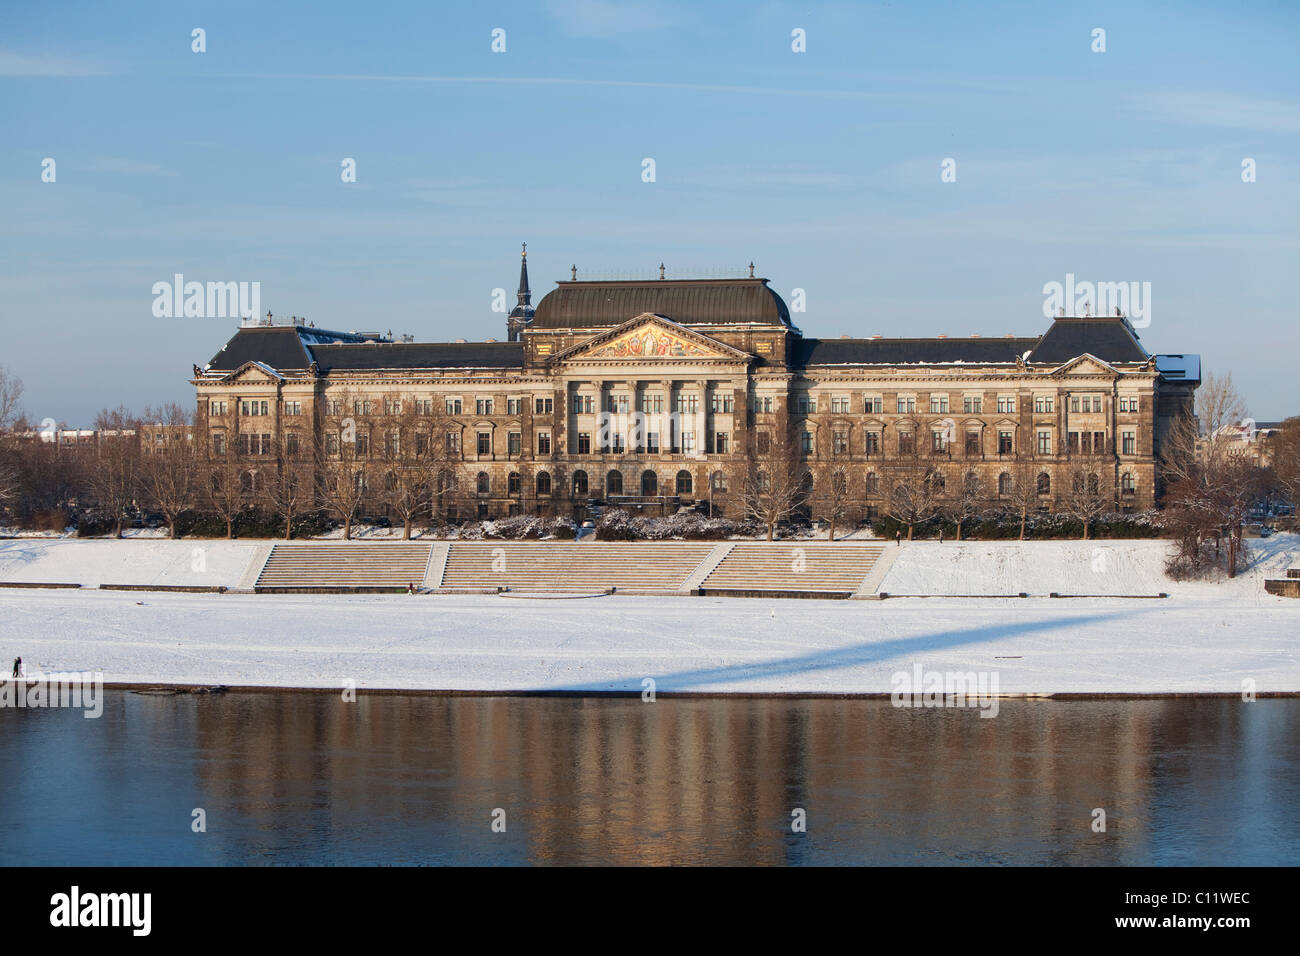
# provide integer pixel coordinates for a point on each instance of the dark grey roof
(578, 305)
(909, 351)
(419, 355)
(278, 346)
(1109, 338)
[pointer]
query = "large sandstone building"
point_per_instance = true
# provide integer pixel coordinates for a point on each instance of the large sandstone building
(664, 392)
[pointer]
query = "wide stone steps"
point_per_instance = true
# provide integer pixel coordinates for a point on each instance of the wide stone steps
(561, 566)
(812, 568)
(345, 565)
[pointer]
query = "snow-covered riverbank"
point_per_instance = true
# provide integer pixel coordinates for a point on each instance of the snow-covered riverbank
(1204, 638)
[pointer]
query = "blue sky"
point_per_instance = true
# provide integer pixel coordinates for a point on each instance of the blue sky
(822, 167)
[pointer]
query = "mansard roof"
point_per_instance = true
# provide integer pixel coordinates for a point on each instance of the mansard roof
(910, 351)
(415, 355)
(277, 346)
(1109, 338)
(592, 305)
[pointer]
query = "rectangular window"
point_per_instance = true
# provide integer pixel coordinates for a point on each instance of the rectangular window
(421, 444)
(361, 407)
(688, 443)
(652, 443)
(218, 409)
(1006, 405)
(1129, 443)
(543, 406)
(483, 406)
(937, 441)
(392, 408)
(363, 444)
(972, 405)
(720, 443)
(1044, 404)
(424, 406)
(938, 404)
(543, 443)
(514, 406)
(972, 444)
(761, 403)
(840, 442)
(453, 443)
(584, 443)
(1074, 403)
(620, 444)
(806, 443)
(331, 444)
(907, 405)
(840, 405)
(1044, 443)
(723, 402)
(1099, 443)
(514, 444)
(333, 407)
(243, 444)
(688, 404)
(453, 406)
(652, 403)
(807, 404)
(873, 405)
(1073, 439)
(764, 443)
(1005, 446)
(873, 443)
(218, 443)
(906, 443)
(485, 443)
(291, 443)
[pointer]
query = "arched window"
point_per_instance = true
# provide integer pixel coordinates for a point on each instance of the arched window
(1044, 483)
(579, 484)
(684, 482)
(937, 482)
(1094, 484)
(873, 484)
(649, 483)
(484, 483)
(543, 482)
(719, 481)
(1004, 484)
(514, 484)
(248, 482)
(614, 483)
(1127, 485)
(971, 484)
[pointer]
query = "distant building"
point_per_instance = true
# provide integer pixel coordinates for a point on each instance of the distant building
(660, 392)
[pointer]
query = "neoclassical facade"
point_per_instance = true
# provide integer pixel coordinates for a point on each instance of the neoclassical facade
(658, 393)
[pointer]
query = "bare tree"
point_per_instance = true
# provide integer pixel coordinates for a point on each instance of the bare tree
(918, 487)
(288, 485)
(407, 457)
(1285, 461)
(114, 475)
(775, 486)
(169, 469)
(11, 393)
(966, 501)
(1018, 491)
(344, 464)
(1089, 491)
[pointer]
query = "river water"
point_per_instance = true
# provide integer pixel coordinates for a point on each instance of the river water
(300, 778)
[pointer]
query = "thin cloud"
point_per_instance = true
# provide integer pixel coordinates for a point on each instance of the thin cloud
(606, 18)
(1225, 110)
(22, 64)
(109, 164)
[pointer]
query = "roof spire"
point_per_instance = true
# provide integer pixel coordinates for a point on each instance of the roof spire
(525, 294)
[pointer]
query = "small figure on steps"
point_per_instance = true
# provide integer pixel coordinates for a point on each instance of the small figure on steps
(19, 670)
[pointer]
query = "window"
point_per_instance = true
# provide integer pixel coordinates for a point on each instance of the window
(1074, 403)
(332, 444)
(840, 442)
(1005, 443)
(1126, 484)
(720, 443)
(361, 407)
(421, 444)
(972, 444)
(688, 404)
(1004, 484)
(1044, 404)
(972, 405)
(514, 444)
(1044, 443)
(543, 406)
(761, 403)
(649, 483)
(218, 443)
(938, 404)
(453, 443)
(718, 481)
(254, 407)
(1129, 443)
(764, 443)
(873, 443)
(514, 406)
(483, 406)
(291, 443)
(906, 405)
(514, 484)
(392, 407)
(218, 409)
(873, 405)
(614, 483)
(764, 482)
(579, 484)
(936, 481)
(1006, 405)
(1044, 484)
(582, 404)
(1129, 404)
(906, 443)
(485, 443)
(543, 443)
(453, 406)
(1099, 442)
(684, 482)
(652, 403)
(618, 404)
(584, 443)
(333, 407)
(873, 484)
(1073, 439)
(652, 443)
(840, 404)
(938, 440)
(723, 402)
(806, 443)
(688, 443)
(543, 482)
(363, 444)
(484, 483)
(391, 444)
(620, 444)
(424, 406)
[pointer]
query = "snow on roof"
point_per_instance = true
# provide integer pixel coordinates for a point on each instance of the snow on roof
(1184, 366)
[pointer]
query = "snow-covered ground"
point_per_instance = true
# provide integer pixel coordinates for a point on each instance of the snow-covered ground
(1204, 638)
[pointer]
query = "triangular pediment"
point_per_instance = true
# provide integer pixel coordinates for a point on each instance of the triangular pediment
(651, 338)
(253, 372)
(1086, 364)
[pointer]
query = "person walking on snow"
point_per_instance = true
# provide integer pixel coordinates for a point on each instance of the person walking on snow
(19, 670)
(898, 538)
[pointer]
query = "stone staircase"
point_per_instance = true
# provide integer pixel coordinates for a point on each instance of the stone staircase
(570, 566)
(794, 569)
(344, 566)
